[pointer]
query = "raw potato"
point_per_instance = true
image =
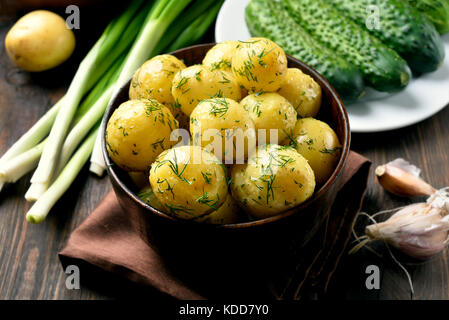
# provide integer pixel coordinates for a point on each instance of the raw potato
(189, 182)
(275, 179)
(39, 41)
(259, 65)
(137, 132)
(270, 111)
(219, 57)
(302, 92)
(226, 214)
(197, 83)
(319, 144)
(226, 120)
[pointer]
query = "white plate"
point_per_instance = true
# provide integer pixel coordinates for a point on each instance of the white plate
(422, 98)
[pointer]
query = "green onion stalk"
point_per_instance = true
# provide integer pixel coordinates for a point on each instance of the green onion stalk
(99, 59)
(47, 200)
(87, 115)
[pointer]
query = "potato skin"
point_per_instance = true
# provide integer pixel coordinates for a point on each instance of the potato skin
(270, 111)
(302, 92)
(221, 114)
(197, 83)
(147, 195)
(39, 41)
(227, 213)
(137, 132)
(189, 182)
(259, 65)
(274, 179)
(154, 78)
(219, 57)
(319, 144)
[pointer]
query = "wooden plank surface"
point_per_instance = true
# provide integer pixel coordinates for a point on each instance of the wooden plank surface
(29, 266)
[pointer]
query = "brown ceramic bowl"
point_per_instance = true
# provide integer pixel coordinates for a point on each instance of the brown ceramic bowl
(300, 222)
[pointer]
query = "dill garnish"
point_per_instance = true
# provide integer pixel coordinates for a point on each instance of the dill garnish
(292, 140)
(219, 106)
(330, 151)
(182, 82)
(159, 143)
(174, 208)
(206, 177)
(204, 199)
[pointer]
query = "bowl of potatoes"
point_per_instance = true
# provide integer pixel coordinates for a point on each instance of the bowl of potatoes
(224, 141)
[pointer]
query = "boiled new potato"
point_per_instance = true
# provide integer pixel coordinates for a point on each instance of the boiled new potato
(189, 182)
(220, 56)
(147, 195)
(224, 127)
(274, 179)
(137, 132)
(139, 178)
(226, 214)
(153, 80)
(302, 92)
(39, 41)
(319, 144)
(197, 83)
(259, 64)
(270, 111)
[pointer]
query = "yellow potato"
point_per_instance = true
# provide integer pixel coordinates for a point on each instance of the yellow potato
(302, 92)
(197, 83)
(147, 195)
(274, 179)
(319, 144)
(226, 120)
(137, 132)
(189, 182)
(139, 178)
(270, 111)
(153, 80)
(219, 57)
(226, 214)
(259, 65)
(39, 41)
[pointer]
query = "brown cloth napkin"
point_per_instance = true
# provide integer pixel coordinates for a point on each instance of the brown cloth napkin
(110, 240)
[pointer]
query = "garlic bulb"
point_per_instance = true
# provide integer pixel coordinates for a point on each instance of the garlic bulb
(418, 230)
(402, 178)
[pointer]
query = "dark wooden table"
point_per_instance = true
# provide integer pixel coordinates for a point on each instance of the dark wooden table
(29, 265)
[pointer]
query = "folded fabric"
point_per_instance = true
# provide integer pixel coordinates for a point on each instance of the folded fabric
(112, 240)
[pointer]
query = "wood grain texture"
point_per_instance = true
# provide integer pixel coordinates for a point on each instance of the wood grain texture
(29, 266)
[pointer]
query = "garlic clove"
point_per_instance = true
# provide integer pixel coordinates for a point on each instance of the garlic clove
(401, 182)
(418, 230)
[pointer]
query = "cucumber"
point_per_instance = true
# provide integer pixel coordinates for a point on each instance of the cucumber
(267, 18)
(382, 68)
(437, 11)
(402, 28)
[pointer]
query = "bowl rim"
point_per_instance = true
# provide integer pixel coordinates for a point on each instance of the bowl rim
(247, 224)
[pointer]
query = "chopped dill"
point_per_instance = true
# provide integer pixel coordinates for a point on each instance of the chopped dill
(182, 82)
(206, 177)
(330, 151)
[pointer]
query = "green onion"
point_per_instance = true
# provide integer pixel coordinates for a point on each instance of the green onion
(196, 29)
(111, 44)
(20, 165)
(43, 205)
